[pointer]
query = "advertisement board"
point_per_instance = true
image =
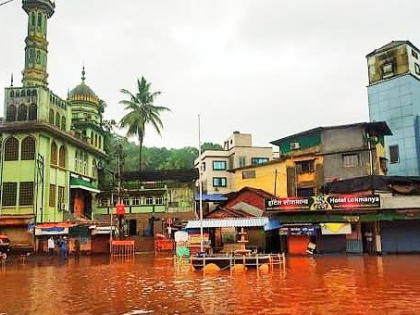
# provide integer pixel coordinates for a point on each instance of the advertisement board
(323, 202)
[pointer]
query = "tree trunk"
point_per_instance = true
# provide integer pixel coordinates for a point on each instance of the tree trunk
(140, 151)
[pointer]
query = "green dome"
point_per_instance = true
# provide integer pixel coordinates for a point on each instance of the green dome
(83, 92)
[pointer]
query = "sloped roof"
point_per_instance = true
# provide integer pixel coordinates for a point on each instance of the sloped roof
(391, 45)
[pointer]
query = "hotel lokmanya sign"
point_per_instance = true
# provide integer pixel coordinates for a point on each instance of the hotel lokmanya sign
(323, 202)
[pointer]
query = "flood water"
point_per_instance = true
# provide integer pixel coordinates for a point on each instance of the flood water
(152, 285)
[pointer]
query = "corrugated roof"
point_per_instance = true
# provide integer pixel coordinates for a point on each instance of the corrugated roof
(228, 222)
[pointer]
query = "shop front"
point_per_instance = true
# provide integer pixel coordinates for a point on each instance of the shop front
(297, 237)
(400, 236)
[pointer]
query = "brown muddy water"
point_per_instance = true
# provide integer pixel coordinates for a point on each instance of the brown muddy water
(151, 285)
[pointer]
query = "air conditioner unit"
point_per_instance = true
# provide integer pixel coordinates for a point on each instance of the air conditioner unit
(295, 146)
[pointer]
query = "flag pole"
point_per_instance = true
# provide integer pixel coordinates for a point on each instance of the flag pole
(200, 169)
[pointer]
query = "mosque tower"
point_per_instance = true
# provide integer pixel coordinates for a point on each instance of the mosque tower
(36, 44)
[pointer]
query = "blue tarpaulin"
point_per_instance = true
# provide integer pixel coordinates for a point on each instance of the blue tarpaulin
(272, 224)
(211, 197)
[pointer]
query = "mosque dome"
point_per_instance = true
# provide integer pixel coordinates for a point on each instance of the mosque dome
(83, 92)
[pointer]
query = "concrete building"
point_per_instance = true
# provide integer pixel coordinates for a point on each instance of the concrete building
(394, 97)
(314, 157)
(51, 147)
(218, 165)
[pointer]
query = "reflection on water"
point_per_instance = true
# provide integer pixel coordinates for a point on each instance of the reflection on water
(151, 285)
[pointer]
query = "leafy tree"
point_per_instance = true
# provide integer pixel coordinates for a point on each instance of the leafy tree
(141, 112)
(210, 146)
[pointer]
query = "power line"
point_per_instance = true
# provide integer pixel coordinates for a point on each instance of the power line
(6, 2)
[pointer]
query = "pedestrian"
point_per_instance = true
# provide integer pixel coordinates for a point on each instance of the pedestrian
(51, 246)
(64, 248)
(77, 249)
(369, 241)
(3, 258)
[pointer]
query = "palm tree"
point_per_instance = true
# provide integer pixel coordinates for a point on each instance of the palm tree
(141, 112)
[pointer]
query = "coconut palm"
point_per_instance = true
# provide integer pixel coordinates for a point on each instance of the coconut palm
(141, 112)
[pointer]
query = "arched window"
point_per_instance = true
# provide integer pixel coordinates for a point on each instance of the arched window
(96, 140)
(63, 123)
(11, 149)
(53, 154)
(32, 112)
(91, 137)
(39, 19)
(17, 94)
(22, 113)
(51, 118)
(12, 93)
(62, 157)
(23, 93)
(28, 149)
(76, 162)
(34, 93)
(11, 113)
(85, 163)
(57, 120)
(100, 142)
(94, 169)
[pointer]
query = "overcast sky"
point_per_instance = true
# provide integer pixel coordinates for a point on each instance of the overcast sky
(267, 67)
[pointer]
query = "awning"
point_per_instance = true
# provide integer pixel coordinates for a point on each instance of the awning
(78, 183)
(59, 228)
(335, 228)
(211, 197)
(228, 222)
(103, 230)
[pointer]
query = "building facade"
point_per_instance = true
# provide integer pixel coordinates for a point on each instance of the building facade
(312, 158)
(218, 165)
(394, 97)
(49, 164)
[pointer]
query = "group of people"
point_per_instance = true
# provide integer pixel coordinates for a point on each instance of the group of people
(63, 246)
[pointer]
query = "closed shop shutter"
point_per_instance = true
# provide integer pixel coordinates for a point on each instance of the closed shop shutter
(400, 236)
(332, 244)
(297, 245)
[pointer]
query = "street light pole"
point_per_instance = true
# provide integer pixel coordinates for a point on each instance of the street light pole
(200, 169)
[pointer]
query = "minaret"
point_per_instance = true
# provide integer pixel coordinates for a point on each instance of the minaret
(36, 48)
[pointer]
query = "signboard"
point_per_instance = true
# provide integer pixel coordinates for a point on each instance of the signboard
(298, 230)
(120, 209)
(323, 202)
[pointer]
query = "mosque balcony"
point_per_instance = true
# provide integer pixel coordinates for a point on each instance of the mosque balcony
(47, 5)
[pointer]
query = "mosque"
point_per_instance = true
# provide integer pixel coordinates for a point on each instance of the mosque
(52, 148)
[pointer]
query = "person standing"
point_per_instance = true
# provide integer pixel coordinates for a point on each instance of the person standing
(51, 246)
(64, 248)
(3, 258)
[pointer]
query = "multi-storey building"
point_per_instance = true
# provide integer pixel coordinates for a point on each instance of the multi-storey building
(51, 147)
(218, 165)
(394, 97)
(314, 157)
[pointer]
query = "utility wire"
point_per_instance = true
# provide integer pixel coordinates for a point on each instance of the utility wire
(6, 2)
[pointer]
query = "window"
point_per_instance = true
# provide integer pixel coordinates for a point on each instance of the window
(219, 165)
(57, 120)
(417, 68)
(28, 149)
(159, 200)
(11, 149)
(387, 70)
(9, 194)
(394, 154)
(51, 117)
(39, 20)
(91, 137)
(305, 192)
(94, 169)
(85, 164)
(52, 196)
(219, 182)
(258, 160)
(63, 123)
(62, 157)
(61, 199)
(32, 112)
(22, 113)
(76, 162)
(242, 161)
(248, 174)
(11, 113)
(26, 194)
(414, 54)
(303, 167)
(136, 201)
(96, 140)
(149, 200)
(351, 160)
(53, 154)
(126, 201)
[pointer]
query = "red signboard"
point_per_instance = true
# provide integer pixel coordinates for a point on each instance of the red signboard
(120, 209)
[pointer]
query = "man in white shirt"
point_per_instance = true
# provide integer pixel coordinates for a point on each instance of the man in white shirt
(51, 246)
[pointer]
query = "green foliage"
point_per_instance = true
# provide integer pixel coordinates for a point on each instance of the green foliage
(210, 146)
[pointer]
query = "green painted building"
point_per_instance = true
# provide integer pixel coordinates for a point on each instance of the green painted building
(51, 148)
